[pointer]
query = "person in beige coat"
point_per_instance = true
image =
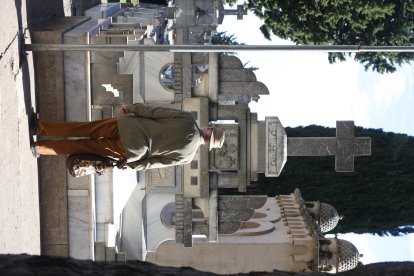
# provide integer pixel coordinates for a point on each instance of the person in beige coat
(146, 137)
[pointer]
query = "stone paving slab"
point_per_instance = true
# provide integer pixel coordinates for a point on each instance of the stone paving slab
(19, 194)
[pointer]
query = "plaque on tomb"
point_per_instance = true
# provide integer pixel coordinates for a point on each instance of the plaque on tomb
(276, 143)
(226, 158)
(161, 180)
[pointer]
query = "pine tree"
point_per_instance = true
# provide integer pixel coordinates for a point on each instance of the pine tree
(342, 22)
(377, 198)
(222, 38)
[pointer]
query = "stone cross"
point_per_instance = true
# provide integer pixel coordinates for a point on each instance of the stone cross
(344, 146)
(240, 11)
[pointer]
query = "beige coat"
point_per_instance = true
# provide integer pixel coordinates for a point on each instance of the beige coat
(156, 137)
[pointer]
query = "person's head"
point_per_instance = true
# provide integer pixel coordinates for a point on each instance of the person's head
(213, 137)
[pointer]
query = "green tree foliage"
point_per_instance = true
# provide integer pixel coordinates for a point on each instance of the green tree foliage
(377, 198)
(342, 22)
(230, 2)
(222, 38)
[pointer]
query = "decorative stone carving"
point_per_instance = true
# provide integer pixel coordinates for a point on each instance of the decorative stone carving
(229, 227)
(237, 83)
(235, 209)
(236, 75)
(233, 202)
(230, 62)
(237, 215)
(226, 158)
(163, 180)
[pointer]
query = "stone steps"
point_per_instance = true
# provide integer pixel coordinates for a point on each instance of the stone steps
(108, 254)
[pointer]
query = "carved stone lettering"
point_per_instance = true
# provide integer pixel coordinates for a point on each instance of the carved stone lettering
(276, 143)
(272, 148)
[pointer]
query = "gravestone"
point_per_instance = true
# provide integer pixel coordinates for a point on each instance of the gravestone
(344, 146)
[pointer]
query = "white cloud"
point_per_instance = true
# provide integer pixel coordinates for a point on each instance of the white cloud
(388, 90)
(303, 94)
(411, 246)
(361, 109)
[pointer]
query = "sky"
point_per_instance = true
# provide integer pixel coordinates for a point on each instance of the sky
(305, 89)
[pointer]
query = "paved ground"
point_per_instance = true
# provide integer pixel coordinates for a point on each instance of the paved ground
(19, 198)
(19, 189)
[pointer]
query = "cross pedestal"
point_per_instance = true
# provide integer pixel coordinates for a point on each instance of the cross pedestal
(344, 146)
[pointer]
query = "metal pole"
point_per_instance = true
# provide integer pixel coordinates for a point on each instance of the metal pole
(217, 48)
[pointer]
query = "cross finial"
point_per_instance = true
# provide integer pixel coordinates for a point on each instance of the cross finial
(344, 146)
(240, 11)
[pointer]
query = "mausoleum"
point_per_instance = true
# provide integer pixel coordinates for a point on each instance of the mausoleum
(178, 216)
